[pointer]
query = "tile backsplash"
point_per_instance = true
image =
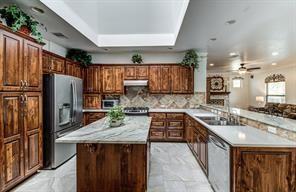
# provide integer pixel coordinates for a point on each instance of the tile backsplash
(137, 96)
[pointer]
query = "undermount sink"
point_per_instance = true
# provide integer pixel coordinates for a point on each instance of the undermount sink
(218, 121)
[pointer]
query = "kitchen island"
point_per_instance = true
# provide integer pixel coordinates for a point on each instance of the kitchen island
(112, 159)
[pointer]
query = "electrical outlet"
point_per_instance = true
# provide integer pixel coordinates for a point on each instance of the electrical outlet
(271, 129)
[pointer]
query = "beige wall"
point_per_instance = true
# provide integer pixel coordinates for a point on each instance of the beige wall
(257, 85)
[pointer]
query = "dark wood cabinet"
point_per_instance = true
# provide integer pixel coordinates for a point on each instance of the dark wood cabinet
(92, 101)
(136, 72)
(182, 79)
(90, 117)
(167, 127)
(159, 79)
(73, 69)
(21, 136)
(112, 79)
(264, 169)
(53, 63)
(32, 121)
(20, 67)
(92, 79)
(32, 66)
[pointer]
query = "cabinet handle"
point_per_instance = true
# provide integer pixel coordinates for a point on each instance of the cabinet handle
(22, 84)
(22, 98)
(26, 84)
(26, 98)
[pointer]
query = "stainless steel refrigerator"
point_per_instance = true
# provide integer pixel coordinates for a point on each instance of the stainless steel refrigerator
(62, 114)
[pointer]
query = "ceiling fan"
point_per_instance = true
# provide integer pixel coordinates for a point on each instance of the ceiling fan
(243, 69)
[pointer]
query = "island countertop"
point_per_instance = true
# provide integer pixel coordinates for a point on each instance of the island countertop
(135, 130)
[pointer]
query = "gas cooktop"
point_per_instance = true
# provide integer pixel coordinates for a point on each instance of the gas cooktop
(136, 110)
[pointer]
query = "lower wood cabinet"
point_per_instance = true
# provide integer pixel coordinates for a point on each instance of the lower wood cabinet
(90, 117)
(167, 127)
(20, 137)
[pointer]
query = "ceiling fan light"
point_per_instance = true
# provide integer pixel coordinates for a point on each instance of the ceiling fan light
(242, 71)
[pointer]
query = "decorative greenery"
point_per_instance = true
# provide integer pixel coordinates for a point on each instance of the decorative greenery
(137, 58)
(15, 19)
(80, 56)
(191, 59)
(116, 114)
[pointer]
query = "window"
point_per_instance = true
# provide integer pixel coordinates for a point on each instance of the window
(236, 83)
(275, 89)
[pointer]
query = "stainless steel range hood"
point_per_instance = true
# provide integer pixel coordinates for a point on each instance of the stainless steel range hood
(135, 82)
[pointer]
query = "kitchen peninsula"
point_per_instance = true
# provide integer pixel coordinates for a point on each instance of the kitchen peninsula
(112, 159)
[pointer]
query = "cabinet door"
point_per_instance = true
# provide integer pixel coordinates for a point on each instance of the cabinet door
(58, 65)
(11, 61)
(176, 76)
(118, 79)
(107, 79)
(154, 79)
(142, 72)
(92, 79)
(32, 66)
(69, 68)
(165, 84)
(203, 153)
(92, 117)
(32, 132)
(78, 73)
(11, 139)
(130, 72)
(187, 80)
(46, 63)
(92, 101)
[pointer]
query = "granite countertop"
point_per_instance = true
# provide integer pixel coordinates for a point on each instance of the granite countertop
(135, 130)
(237, 136)
(284, 123)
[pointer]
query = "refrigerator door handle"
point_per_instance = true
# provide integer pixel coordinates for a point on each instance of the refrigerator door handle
(75, 101)
(72, 101)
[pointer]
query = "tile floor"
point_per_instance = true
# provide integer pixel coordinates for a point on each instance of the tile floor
(173, 169)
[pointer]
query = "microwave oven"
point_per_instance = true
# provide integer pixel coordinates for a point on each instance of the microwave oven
(109, 103)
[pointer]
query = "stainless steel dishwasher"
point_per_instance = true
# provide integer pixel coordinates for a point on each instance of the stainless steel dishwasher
(219, 164)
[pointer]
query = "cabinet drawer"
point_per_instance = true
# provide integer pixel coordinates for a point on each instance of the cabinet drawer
(158, 124)
(175, 134)
(175, 116)
(157, 115)
(157, 134)
(175, 124)
(96, 115)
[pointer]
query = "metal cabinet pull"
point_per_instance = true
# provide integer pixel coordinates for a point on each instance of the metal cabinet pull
(22, 98)
(26, 84)
(22, 84)
(26, 98)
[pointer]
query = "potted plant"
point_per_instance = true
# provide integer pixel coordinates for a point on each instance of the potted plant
(137, 58)
(18, 20)
(80, 56)
(116, 116)
(191, 59)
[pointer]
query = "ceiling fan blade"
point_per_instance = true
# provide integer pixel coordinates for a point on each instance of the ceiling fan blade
(253, 68)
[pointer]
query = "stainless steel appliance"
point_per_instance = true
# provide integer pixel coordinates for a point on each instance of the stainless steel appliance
(219, 164)
(109, 103)
(62, 114)
(135, 83)
(136, 110)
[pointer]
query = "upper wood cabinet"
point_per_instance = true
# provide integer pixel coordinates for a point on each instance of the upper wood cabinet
(112, 79)
(73, 69)
(92, 79)
(52, 63)
(159, 79)
(20, 67)
(92, 101)
(182, 79)
(136, 72)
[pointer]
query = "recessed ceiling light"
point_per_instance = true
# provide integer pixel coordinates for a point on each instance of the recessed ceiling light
(233, 54)
(211, 64)
(273, 63)
(37, 10)
(230, 22)
(213, 39)
(275, 53)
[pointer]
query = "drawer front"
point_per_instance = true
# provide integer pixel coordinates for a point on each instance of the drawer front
(156, 116)
(158, 124)
(175, 134)
(175, 125)
(157, 134)
(96, 115)
(175, 116)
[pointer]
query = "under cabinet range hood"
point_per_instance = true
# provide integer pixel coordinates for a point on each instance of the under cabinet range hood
(135, 82)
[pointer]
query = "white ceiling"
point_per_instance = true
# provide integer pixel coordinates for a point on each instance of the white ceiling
(262, 27)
